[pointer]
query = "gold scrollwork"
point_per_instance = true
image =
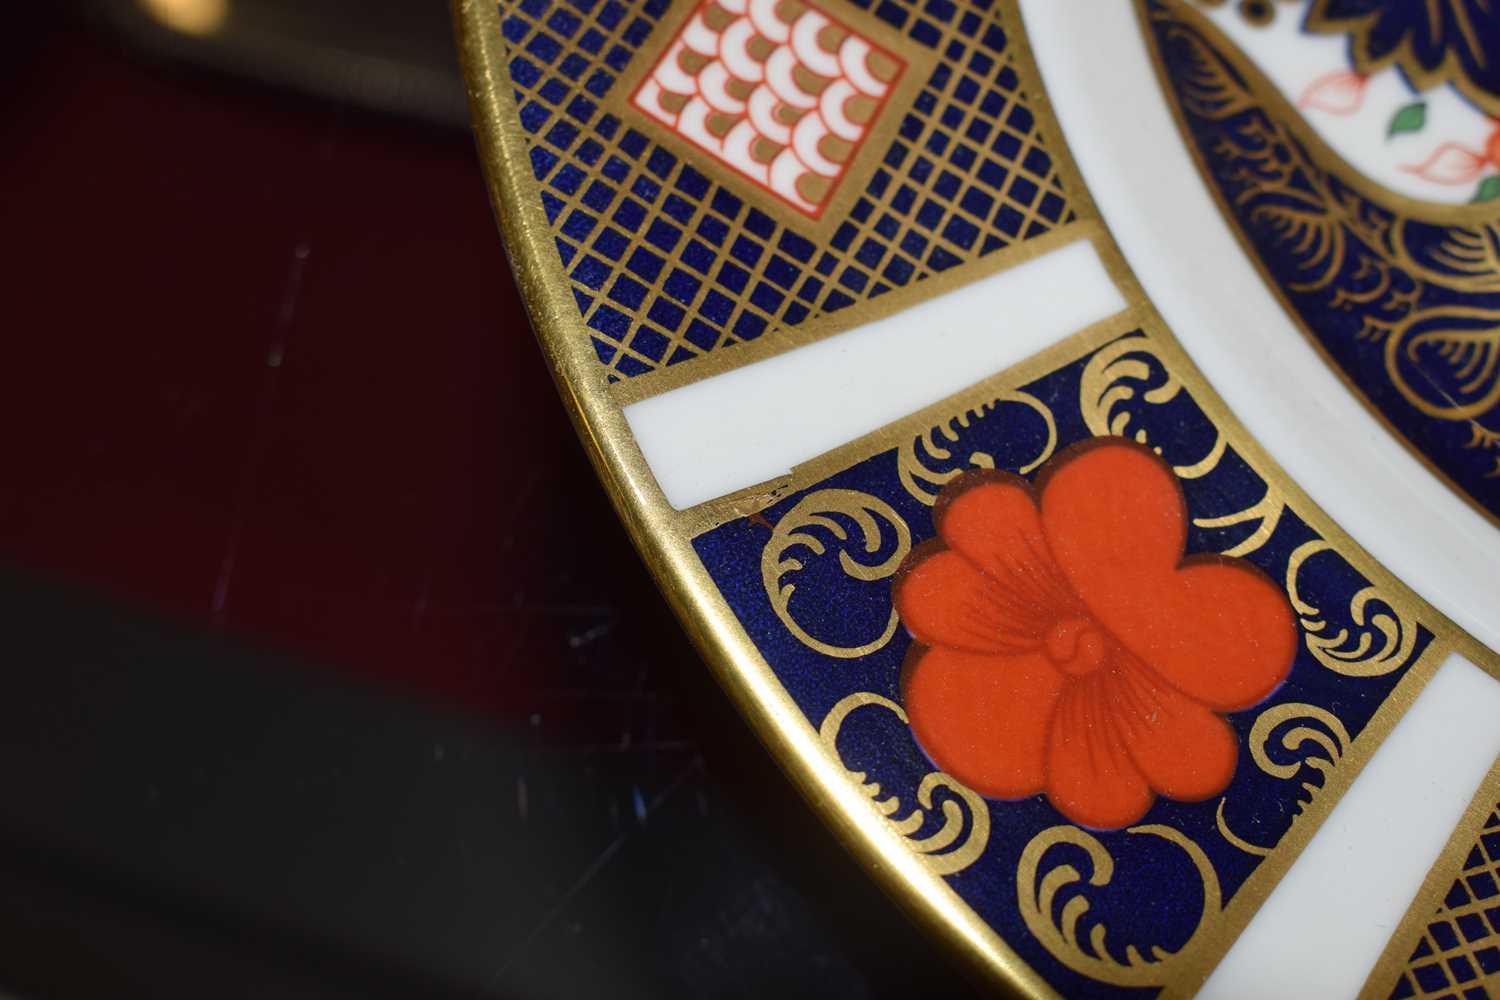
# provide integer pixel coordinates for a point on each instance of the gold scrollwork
(1350, 650)
(1373, 252)
(1467, 339)
(1318, 748)
(946, 851)
(936, 442)
(1058, 929)
(1103, 393)
(824, 509)
(1267, 511)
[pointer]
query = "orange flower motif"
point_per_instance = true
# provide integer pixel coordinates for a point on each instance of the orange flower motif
(1064, 645)
(1340, 92)
(1453, 163)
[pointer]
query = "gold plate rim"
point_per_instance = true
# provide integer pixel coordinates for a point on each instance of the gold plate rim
(649, 520)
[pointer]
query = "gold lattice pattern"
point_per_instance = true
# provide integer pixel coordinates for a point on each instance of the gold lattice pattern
(666, 263)
(1459, 953)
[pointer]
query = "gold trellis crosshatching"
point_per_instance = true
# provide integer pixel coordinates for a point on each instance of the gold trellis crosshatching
(671, 254)
(1460, 948)
(1448, 944)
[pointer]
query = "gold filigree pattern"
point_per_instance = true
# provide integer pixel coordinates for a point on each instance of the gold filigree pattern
(1057, 928)
(1266, 511)
(937, 444)
(1465, 338)
(826, 512)
(1124, 378)
(965, 832)
(1319, 747)
(1407, 275)
(1110, 404)
(1351, 648)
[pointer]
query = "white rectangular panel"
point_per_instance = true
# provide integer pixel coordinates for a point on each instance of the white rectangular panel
(1324, 926)
(755, 423)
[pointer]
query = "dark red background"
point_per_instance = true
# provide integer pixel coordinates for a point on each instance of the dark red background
(267, 370)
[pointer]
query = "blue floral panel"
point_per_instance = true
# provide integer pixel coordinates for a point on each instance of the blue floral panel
(846, 588)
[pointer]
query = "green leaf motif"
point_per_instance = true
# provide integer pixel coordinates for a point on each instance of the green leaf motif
(1489, 189)
(1408, 119)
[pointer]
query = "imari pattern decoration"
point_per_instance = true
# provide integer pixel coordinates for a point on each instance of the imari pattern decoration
(1047, 635)
(1127, 677)
(671, 253)
(1400, 288)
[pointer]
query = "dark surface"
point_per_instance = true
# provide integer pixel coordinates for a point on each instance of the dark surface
(392, 56)
(222, 821)
(329, 669)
